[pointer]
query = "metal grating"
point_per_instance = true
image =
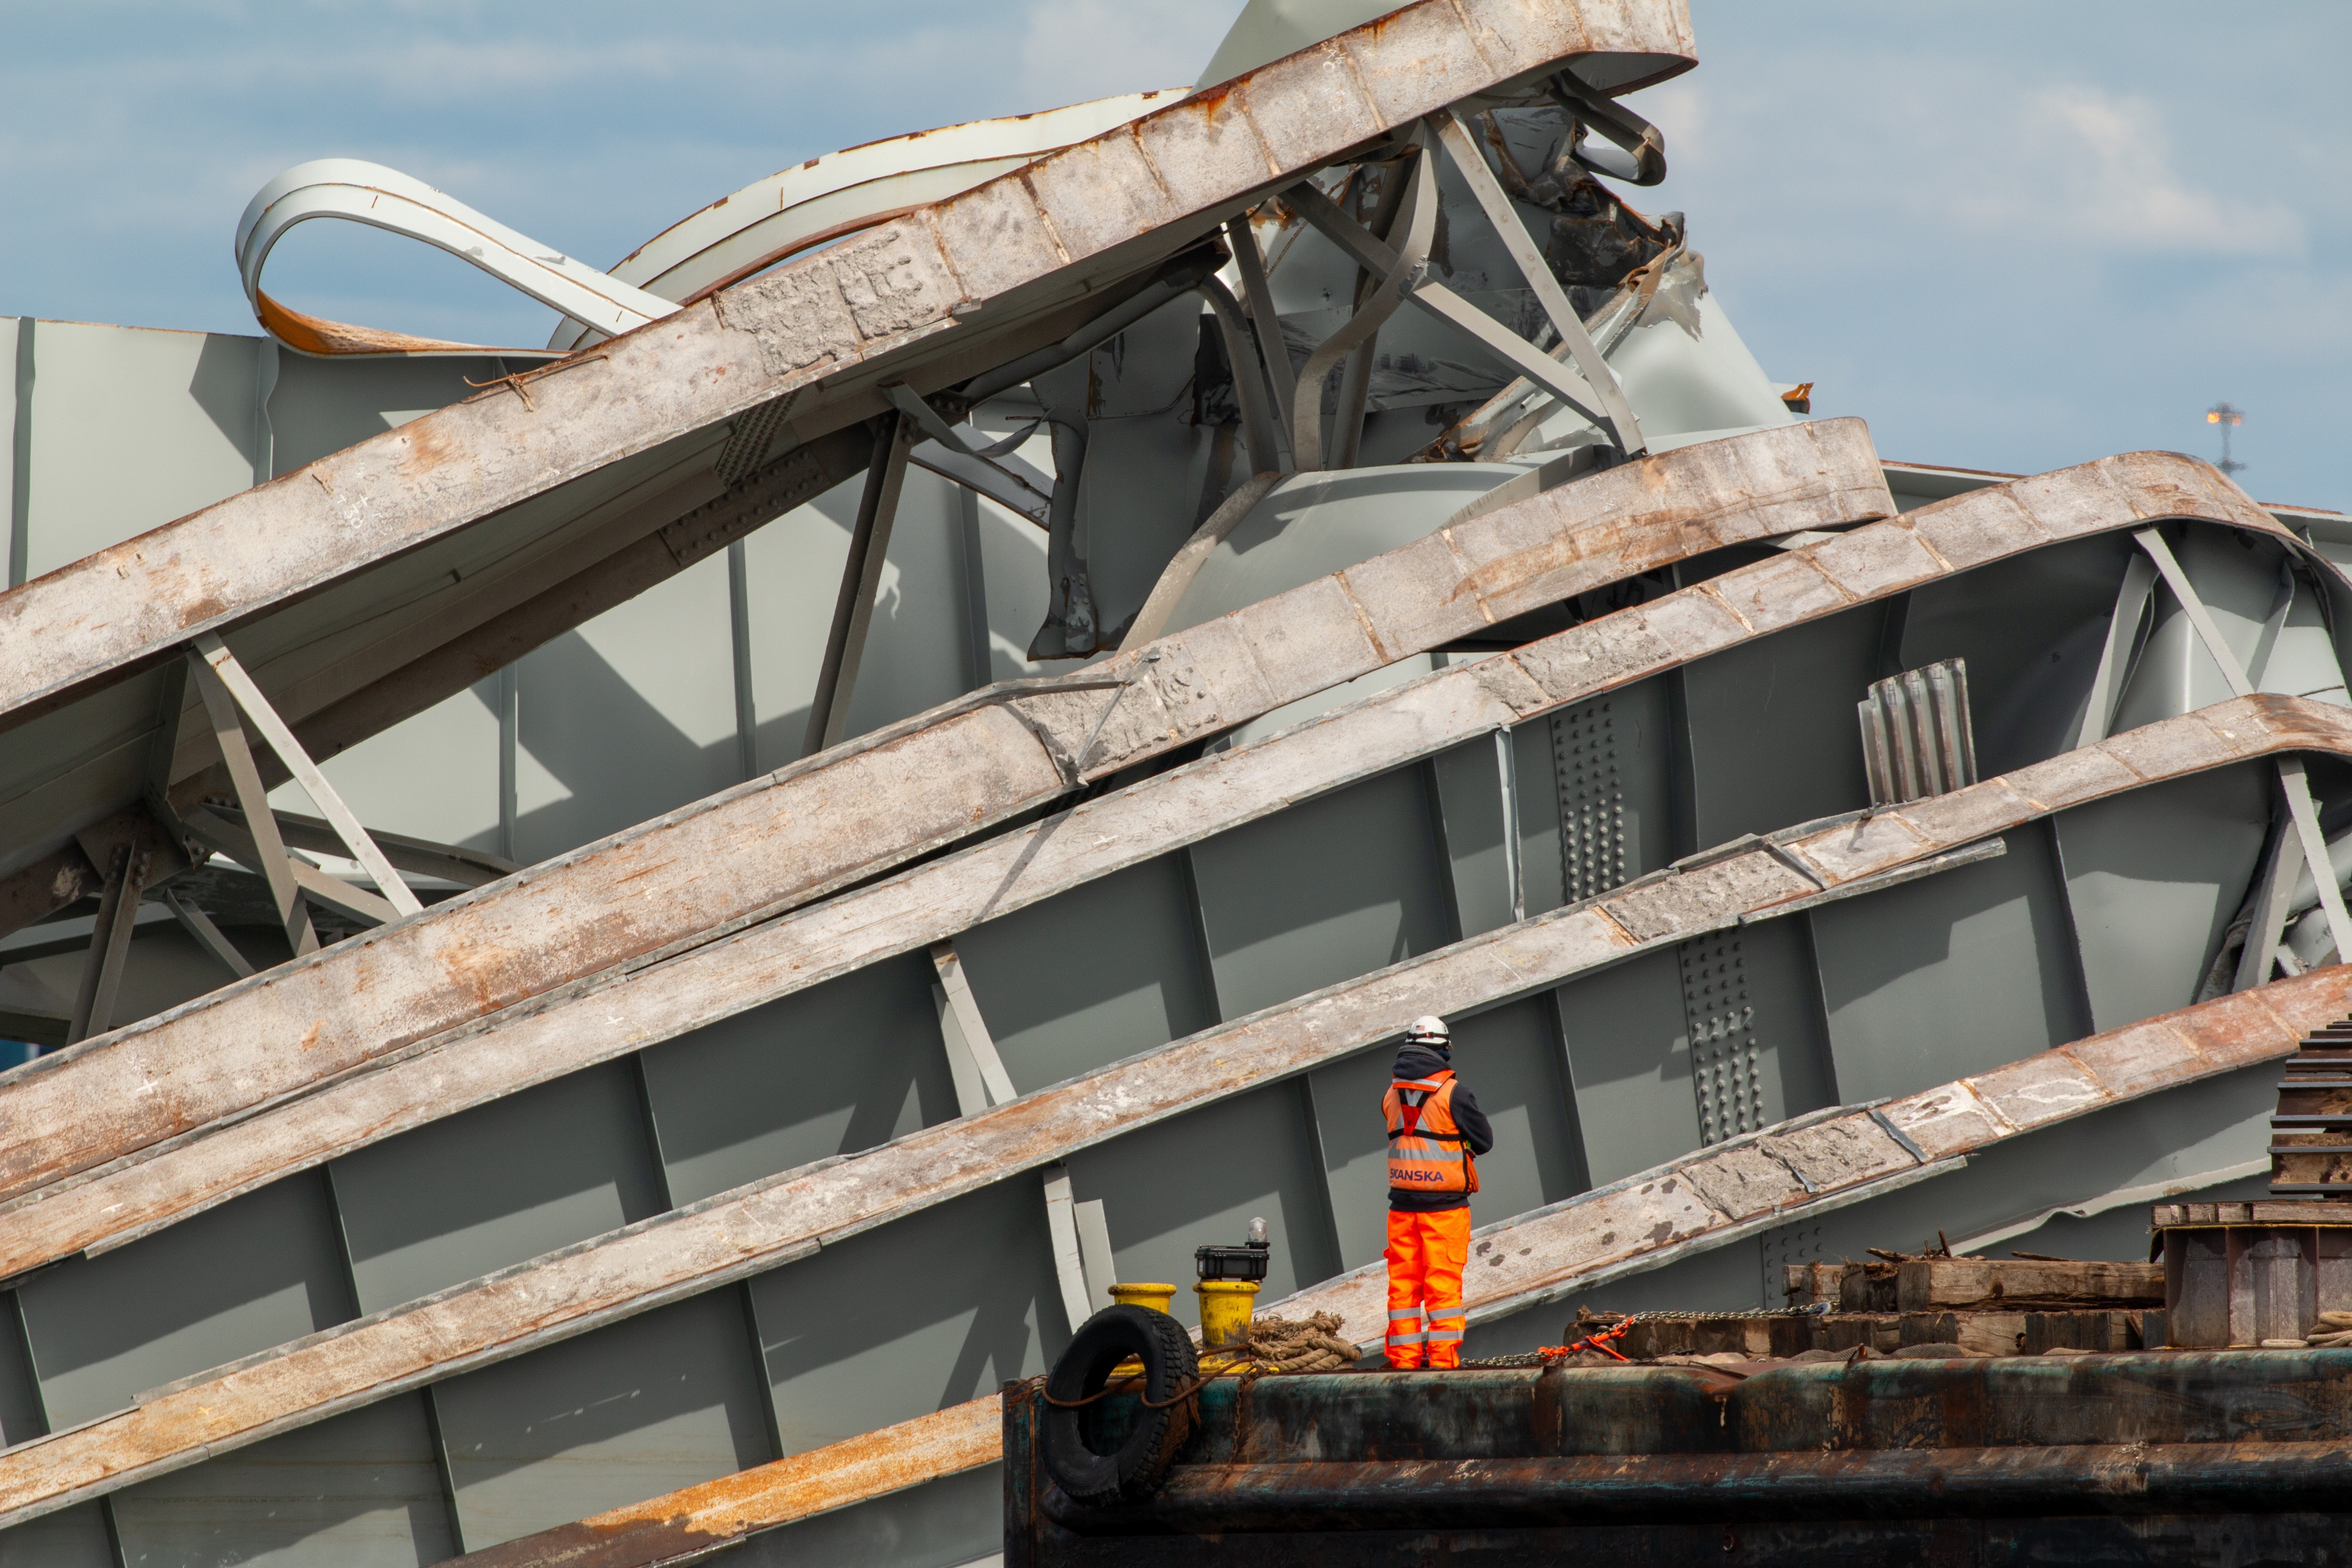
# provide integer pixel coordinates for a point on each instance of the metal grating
(1721, 1018)
(1592, 802)
(1917, 740)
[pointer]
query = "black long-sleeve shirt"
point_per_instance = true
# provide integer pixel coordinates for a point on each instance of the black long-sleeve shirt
(1477, 1133)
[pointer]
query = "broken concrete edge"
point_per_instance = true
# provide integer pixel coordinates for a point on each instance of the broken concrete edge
(858, 810)
(840, 319)
(766, 1497)
(1974, 1283)
(641, 1003)
(768, 1223)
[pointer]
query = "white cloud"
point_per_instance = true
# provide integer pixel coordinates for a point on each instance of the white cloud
(2014, 236)
(1075, 49)
(1882, 149)
(1946, 209)
(2099, 169)
(1679, 109)
(133, 132)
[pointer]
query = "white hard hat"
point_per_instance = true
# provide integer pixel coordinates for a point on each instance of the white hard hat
(1429, 1029)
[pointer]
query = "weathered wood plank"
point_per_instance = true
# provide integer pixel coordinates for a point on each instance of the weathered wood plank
(170, 1181)
(860, 809)
(640, 1537)
(2280, 1211)
(2018, 1332)
(1752, 1179)
(1934, 1284)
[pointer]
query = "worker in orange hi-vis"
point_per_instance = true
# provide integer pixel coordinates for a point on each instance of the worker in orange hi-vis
(1435, 1129)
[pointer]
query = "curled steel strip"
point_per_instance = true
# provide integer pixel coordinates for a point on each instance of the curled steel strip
(360, 192)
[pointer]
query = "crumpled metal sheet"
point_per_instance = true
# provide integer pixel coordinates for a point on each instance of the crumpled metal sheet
(1596, 239)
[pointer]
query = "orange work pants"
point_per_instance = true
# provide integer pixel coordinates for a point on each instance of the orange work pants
(1426, 1254)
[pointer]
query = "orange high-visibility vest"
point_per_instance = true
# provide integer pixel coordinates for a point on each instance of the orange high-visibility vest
(1427, 1154)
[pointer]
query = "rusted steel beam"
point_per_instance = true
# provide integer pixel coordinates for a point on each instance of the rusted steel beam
(1733, 1188)
(861, 809)
(2212, 1038)
(845, 317)
(331, 588)
(790, 1216)
(639, 1007)
(677, 1527)
(392, 663)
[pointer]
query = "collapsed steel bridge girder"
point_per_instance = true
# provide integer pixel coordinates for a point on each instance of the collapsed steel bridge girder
(136, 1190)
(616, 443)
(860, 809)
(596, 1003)
(791, 1216)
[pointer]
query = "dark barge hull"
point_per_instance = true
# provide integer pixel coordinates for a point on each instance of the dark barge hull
(2208, 1541)
(2225, 1458)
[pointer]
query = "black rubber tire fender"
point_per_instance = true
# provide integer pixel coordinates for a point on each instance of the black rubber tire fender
(1169, 1369)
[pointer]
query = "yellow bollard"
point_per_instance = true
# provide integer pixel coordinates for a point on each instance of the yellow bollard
(1224, 1312)
(1156, 1296)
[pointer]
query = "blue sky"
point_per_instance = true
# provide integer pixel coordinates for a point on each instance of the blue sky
(2013, 236)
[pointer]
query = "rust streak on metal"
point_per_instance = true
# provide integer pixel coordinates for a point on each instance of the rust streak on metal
(317, 335)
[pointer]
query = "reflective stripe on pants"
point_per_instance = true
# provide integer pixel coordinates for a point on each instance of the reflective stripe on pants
(1426, 1254)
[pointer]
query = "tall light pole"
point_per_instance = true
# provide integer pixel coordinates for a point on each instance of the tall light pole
(2229, 419)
